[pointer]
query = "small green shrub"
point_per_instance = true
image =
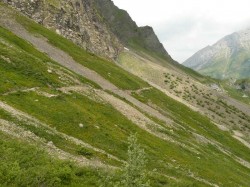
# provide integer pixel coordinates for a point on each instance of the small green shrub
(85, 152)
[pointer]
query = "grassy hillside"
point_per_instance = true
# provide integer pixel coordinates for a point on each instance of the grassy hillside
(107, 69)
(237, 66)
(37, 168)
(89, 131)
(200, 93)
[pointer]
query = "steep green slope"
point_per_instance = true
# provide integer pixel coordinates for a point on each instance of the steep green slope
(236, 67)
(24, 67)
(37, 168)
(203, 94)
(189, 151)
(107, 69)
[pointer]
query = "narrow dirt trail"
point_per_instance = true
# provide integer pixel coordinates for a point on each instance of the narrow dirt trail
(36, 123)
(67, 61)
(18, 132)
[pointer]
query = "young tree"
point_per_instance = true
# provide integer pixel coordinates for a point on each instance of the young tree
(134, 171)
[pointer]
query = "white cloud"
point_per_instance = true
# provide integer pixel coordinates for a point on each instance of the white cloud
(185, 27)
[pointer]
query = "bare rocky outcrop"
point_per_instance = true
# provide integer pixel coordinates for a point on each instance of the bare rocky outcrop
(96, 25)
(131, 35)
(76, 20)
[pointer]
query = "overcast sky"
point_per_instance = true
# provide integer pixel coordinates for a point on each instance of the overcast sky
(186, 26)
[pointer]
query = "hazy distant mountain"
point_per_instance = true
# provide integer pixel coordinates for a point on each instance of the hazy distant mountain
(228, 58)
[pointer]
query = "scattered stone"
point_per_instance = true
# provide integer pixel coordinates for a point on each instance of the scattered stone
(81, 125)
(5, 59)
(216, 87)
(58, 31)
(49, 71)
(50, 143)
(244, 96)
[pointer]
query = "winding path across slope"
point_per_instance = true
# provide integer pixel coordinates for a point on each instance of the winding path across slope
(20, 133)
(67, 61)
(22, 116)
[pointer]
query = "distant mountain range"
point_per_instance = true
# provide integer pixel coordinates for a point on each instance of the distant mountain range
(228, 58)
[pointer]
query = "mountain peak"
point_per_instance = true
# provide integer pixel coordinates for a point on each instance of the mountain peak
(122, 25)
(227, 58)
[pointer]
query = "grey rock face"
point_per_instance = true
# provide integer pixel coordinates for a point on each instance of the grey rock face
(200, 59)
(76, 20)
(118, 20)
(151, 41)
(126, 29)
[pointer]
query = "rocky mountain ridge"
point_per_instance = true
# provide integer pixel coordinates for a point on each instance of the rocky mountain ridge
(120, 23)
(76, 20)
(98, 26)
(228, 58)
